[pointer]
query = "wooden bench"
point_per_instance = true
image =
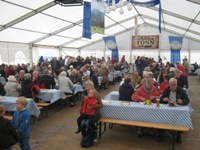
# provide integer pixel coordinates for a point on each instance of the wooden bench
(8, 117)
(43, 105)
(141, 124)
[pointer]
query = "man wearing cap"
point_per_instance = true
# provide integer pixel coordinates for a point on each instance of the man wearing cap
(71, 67)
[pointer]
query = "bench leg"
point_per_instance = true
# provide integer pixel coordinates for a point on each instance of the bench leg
(173, 139)
(100, 129)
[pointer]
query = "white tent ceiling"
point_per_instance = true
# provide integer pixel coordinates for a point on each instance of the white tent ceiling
(42, 22)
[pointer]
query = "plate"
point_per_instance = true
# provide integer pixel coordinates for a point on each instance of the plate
(1, 98)
(125, 103)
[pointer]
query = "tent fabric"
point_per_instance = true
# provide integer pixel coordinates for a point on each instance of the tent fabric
(47, 23)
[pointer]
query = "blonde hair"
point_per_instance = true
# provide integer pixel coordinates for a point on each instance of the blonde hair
(2, 109)
(22, 100)
(90, 83)
(94, 92)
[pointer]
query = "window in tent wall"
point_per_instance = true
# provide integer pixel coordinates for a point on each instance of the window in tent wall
(20, 58)
(47, 53)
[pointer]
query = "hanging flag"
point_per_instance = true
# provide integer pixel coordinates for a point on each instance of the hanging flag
(87, 20)
(136, 27)
(109, 2)
(97, 16)
(150, 3)
(112, 45)
(175, 43)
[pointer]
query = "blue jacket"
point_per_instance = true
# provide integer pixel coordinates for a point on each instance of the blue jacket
(21, 122)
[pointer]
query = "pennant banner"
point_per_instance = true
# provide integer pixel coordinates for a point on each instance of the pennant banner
(112, 45)
(175, 43)
(87, 20)
(150, 3)
(97, 16)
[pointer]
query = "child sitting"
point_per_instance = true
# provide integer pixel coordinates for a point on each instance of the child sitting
(21, 122)
(88, 108)
(8, 135)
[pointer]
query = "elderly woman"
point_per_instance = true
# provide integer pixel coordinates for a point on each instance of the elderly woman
(91, 124)
(26, 86)
(146, 91)
(66, 86)
(12, 88)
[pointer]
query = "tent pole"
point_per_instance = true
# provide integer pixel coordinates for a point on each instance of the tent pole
(8, 54)
(30, 54)
(189, 50)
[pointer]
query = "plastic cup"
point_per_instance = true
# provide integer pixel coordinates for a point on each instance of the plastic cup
(148, 102)
(157, 102)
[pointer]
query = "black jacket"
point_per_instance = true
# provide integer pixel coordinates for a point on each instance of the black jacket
(48, 81)
(180, 93)
(125, 92)
(8, 135)
(26, 86)
(2, 90)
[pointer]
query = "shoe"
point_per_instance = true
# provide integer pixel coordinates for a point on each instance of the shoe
(78, 131)
(159, 138)
(139, 133)
(178, 139)
(71, 104)
(94, 142)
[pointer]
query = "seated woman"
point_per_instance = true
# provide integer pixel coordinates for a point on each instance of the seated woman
(146, 91)
(66, 86)
(12, 87)
(26, 86)
(126, 90)
(164, 84)
(91, 124)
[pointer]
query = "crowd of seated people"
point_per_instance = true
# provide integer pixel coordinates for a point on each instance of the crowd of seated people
(153, 80)
(50, 74)
(150, 80)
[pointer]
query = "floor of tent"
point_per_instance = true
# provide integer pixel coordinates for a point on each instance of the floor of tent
(58, 130)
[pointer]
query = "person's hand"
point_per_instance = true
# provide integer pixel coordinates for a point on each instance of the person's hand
(152, 98)
(166, 99)
(142, 99)
(179, 101)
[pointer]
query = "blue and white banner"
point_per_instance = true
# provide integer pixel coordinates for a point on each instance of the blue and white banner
(175, 43)
(97, 16)
(87, 20)
(112, 45)
(109, 2)
(149, 3)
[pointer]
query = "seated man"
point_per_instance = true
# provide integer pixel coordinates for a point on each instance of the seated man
(47, 79)
(181, 80)
(126, 90)
(135, 79)
(21, 76)
(175, 94)
(75, 77)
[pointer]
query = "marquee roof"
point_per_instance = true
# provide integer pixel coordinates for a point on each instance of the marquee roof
(42, 22)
